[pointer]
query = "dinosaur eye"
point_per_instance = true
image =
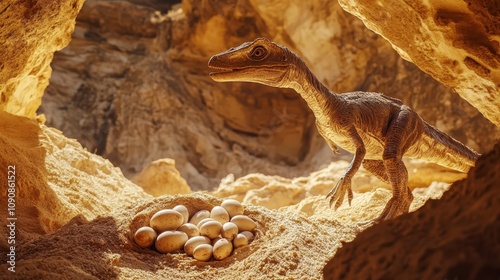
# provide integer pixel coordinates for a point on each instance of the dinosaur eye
(258, 52)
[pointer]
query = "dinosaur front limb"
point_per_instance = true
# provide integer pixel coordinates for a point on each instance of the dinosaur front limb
(343, 186)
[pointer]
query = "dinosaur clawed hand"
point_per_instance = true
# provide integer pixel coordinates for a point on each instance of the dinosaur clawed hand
(337, 194)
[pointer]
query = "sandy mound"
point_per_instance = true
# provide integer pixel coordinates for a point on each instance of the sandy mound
(290, 246)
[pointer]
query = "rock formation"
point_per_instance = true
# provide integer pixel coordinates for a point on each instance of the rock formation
(56, 180)
(31, 32)
(161, 177)
(457, 44)
(455, 237)
(78, 214)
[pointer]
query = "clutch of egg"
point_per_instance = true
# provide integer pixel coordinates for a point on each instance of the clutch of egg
(206, 235)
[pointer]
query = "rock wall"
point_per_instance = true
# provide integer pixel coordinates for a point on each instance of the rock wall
(455, 237)
(456, 43)
(55, 180)
(25, 62)
(137, 90)
(136, 103)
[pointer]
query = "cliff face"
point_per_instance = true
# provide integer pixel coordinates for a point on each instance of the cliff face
(138, 102)
(457, 43)
(31, 32)
(137, 90)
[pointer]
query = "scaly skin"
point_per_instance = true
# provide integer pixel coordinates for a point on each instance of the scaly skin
(377, 129)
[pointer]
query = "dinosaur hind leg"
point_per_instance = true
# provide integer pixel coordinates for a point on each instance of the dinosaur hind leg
(401, 134)
(401, 193)
(377, 168)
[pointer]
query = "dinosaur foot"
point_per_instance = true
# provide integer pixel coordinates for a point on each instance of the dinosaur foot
(395, 206)
(337, 194)
(365, 224)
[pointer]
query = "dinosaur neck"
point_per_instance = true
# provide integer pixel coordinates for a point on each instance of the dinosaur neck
(318, 96)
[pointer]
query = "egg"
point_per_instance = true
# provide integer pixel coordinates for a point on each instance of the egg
(170, 241)
(203, 252)
(211, 229)
(204, 221)
(244, 223)
(184, 212)
(167, 219)
(206, 235)
(222, 249)
(214, 240)
(193, 242)
(249, 235)
(233, 207)
(190, 229)
(145, 237)
(229, 230)
(219, 214)
(240, 240)
(198, 216)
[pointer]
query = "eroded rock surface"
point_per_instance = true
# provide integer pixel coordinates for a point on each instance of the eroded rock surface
(455, 237)
(455, 42)
(275, 192)
(161, 177)
(30, 32)
(56, 179)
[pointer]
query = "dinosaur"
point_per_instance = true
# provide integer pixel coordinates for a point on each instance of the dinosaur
(379, 130)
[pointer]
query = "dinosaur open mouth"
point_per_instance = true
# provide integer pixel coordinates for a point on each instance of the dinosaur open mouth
(222, 70)
(224, 74)
(228, 72)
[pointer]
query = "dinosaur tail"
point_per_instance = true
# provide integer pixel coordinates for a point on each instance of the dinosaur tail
(449, 152)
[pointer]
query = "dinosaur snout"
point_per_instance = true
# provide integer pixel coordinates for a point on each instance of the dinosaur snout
(212, 60)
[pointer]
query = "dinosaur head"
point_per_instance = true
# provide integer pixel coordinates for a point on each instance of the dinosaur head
(260, 61)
